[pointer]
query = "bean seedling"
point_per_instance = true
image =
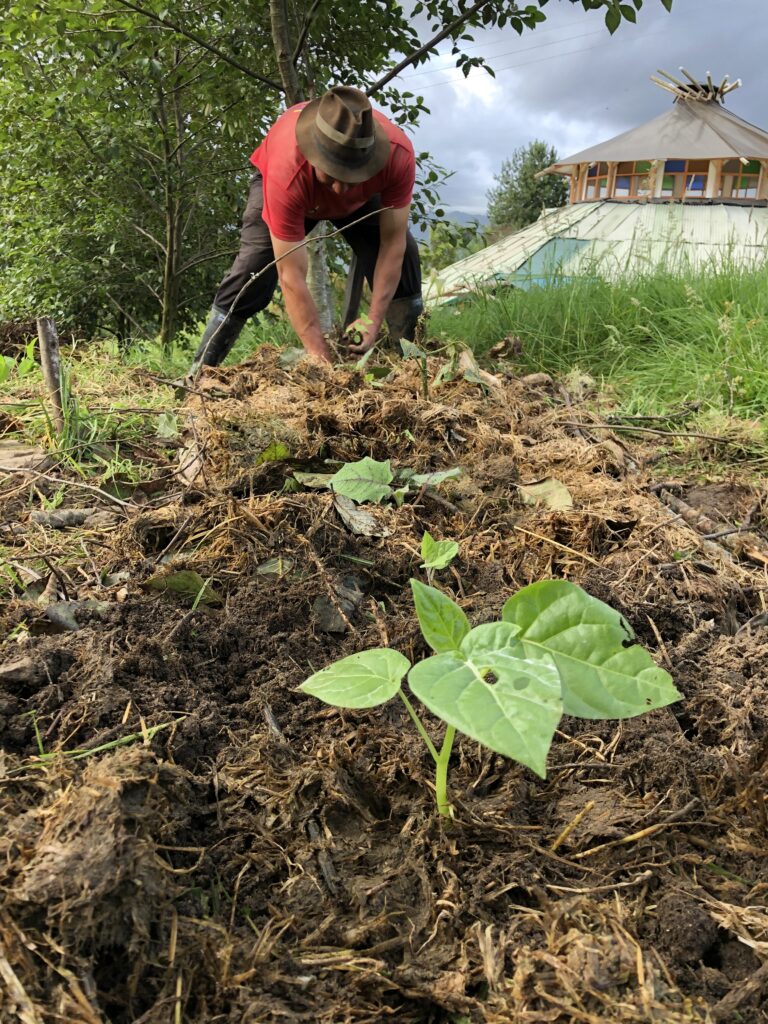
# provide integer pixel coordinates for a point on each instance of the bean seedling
(556, 650)
(437, 554)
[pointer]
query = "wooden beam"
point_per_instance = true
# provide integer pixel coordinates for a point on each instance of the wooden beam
(713, 179)
(762, 181)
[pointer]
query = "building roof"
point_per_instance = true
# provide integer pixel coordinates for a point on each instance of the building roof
(692, 130)
(611, 239)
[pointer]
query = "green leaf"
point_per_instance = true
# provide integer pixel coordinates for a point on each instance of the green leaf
(601, 676)
(187, 583)
(315, 481)
(362, 680)
(275, 452)
(667, 4)
(443, 624)
(433, 479)
(167, 425)
(628, 12)
(366, 480)
(612, 19)
(437, 554)
(411, 351)
(491, 692)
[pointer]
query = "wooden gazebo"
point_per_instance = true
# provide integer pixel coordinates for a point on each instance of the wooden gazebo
(696, 152)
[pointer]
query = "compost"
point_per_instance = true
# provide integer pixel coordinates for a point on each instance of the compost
(186, 837)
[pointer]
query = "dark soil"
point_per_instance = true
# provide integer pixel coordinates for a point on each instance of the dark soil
(265, 858)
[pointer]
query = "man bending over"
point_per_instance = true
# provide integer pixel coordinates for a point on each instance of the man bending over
(332, 159)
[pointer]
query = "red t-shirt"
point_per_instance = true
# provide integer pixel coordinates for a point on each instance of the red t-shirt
(292, 193)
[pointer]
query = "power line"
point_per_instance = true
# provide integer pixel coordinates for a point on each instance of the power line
(500, 56)
(524, 64)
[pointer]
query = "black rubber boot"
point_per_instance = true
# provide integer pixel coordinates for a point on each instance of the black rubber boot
(402, 318)
(220, 334)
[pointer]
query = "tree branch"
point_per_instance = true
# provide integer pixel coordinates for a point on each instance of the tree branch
(200, 42)
(305, 31)
(211, 120)
(197, 260)
(152, 238)
(457, 23)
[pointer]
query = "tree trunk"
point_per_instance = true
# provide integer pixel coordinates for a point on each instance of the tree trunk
(281, 39)
(170, 294)
(173, 135)
(318, 277)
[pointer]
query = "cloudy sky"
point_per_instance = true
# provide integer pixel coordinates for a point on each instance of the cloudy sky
(572, 84)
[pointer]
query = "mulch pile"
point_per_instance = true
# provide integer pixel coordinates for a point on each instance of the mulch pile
(264, 858)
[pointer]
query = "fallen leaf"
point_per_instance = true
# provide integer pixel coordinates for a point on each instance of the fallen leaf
(277, 567)
(187, 583)
(549, 492)
(358, 520)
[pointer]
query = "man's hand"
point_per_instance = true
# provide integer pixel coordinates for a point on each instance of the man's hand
(301, 309)
(393, 227)
(361, 335)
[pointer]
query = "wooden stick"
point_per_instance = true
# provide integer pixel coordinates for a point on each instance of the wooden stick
(665, 85)
(50, 360)
(693, 80)
(677, 82)
(27, 1013)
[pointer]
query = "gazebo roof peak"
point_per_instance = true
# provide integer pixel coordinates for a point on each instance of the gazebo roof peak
(693, 89)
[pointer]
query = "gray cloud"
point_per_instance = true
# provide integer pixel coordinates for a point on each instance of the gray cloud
(572, 84)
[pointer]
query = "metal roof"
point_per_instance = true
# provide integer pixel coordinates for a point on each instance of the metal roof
(612, 239)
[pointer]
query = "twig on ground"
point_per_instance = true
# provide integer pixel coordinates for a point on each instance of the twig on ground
(650, 430)
(670, 819)
(70, 483)
(557, 544)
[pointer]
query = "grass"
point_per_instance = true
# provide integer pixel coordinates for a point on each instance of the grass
(656, 342)
(262, 330)
(652, 344)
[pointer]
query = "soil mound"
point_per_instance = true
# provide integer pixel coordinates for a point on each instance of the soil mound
(187, 837)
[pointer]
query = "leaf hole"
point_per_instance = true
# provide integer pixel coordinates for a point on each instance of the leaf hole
(520, 683)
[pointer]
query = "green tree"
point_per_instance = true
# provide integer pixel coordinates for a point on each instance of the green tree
(449, 242)
(125, 127)
(519, 196)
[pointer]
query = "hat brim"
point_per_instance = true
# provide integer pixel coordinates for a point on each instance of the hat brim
(341, 170)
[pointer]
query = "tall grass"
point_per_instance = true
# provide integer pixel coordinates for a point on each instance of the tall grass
(656, 341)
(174, 361)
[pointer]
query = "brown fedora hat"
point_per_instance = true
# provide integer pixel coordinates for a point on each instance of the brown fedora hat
(338, 134)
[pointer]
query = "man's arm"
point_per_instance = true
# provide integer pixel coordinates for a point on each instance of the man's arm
(393, 227)
(299, 304)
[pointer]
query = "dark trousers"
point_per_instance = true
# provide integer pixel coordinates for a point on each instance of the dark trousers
(256, 254)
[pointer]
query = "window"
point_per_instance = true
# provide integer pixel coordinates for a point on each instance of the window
(740, 181)
(597, 182)
(685, 179)
(673, 182)
(633, 179)
(696, 173)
